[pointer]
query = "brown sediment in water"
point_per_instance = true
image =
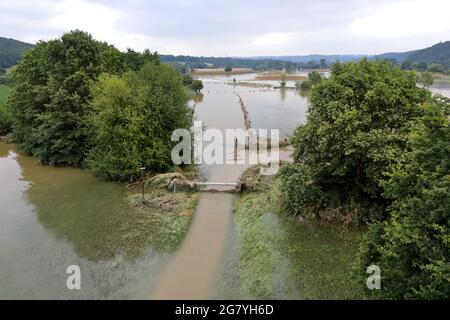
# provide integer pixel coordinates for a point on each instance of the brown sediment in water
(277, 76)
(193, 270)
(220, 71)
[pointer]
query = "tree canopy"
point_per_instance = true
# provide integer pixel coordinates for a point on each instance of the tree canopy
(358, 124)
(412, 249)
(60, 113)
(133, 118)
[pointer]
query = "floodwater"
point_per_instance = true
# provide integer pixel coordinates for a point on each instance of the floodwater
(51, 218)
(193, 272)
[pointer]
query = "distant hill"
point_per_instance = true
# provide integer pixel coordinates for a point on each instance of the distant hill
(439, 53)
(10, 51)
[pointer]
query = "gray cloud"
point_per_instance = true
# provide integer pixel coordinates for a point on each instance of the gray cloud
(235, 28)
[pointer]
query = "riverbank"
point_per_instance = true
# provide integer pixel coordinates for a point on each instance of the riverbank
(279, 257)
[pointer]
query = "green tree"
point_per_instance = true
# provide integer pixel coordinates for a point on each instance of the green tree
(422, 66)
(413, 247)
(133, 118)
(135, 60)
(283, 80)
(314, 77)
(228, 69)
(323, 63)
(51, 95)
(436, 67)
(358, 124)
(426, 79)
(197, 85)
(407, 65)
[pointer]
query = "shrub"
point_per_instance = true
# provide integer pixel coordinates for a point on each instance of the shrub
(132, 121)
(358, 125)
(298, 184)
(412, 249)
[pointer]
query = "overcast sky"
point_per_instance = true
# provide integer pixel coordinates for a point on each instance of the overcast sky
(236, 28)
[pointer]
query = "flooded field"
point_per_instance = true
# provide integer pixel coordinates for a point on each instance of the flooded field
(51, 218)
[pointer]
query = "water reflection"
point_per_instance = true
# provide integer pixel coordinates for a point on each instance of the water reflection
(51, 218)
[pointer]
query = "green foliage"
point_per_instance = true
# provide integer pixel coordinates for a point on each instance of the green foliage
(436, 67)
(51, 96)
(5, 111)
(305, 85)
(228, 69)
(194, 85)
(135, 60)
(314, 77)
(422, 66)
(297, 182)
(357, 128)
(281, 258)
(425, 79)
(197, 85)
(413, 247)
(132, 121)
(283, 80)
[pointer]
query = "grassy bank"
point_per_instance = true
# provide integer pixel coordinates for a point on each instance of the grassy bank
(281, 258)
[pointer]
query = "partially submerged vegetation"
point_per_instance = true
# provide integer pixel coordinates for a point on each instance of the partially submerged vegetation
(280, 257)
(374, 150)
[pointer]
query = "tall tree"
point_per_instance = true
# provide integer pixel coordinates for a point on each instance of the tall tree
(357, 127)
(412, 249)
(133, 118)
(51, 95)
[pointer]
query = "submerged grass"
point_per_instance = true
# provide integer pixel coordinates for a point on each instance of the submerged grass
(281, 258)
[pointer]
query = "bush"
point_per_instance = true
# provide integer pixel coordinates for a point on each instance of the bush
(197, 85)
(314, 77)
(5, 119)
(436, 67)
(358, 125)
(306, 85)
(298, 184)
(132, 121)
(413, 247)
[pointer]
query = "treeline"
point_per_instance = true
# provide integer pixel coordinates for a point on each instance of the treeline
(376, 150)
(184, 62)
(79, 102)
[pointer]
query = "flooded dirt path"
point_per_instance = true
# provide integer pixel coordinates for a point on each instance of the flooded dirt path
(192, 273)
